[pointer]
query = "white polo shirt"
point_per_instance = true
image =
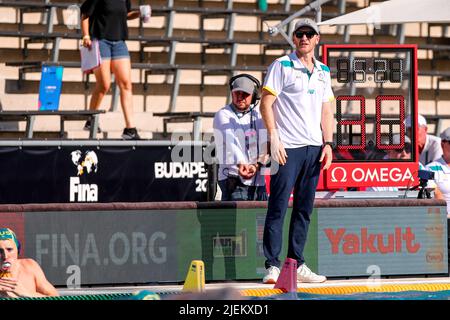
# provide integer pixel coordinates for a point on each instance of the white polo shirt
(432, 150)
(238, 138)
(442, 178)
(298, 107)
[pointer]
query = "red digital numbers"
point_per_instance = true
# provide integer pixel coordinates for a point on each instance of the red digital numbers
(350, 123)
(361, 122)
(390, 123)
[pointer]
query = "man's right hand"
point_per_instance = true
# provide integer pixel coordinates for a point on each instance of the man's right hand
(277, 151)
(247, 171)
(86, 42)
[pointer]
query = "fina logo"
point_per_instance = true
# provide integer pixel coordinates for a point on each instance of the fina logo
(87, 163)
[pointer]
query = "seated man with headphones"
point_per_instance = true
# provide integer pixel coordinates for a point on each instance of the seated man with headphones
(20, 277)
(241, 142)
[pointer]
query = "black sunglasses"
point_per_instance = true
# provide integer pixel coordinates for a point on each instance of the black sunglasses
(407, 148)
(309, 34)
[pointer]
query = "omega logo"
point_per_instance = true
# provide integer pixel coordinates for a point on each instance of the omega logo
(334, 174)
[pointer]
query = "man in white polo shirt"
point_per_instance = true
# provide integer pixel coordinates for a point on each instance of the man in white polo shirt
(441, 168)
(240, 139)
(296, 107)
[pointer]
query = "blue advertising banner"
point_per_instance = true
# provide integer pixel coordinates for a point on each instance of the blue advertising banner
(50, 87)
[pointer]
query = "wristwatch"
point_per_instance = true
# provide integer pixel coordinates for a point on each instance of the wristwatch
(330, 143)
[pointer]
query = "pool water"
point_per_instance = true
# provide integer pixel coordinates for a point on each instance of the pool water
(403, 295)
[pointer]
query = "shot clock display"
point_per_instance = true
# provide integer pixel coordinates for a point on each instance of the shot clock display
(376, 89)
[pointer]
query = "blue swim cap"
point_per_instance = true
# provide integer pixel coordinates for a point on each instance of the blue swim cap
(8, 234)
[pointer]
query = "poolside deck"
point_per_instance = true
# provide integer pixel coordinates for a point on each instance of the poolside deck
(328, 287)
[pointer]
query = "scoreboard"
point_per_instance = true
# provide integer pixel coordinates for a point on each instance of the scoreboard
(375, 87)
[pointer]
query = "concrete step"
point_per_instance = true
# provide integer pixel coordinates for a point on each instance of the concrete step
(111, 123)
(186, 90)
(250, 57)
(247, 29)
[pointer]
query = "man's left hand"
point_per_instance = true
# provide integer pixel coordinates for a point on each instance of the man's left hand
(13, 288)
(326, 157)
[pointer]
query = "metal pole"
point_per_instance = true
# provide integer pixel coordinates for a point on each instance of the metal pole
(114, 94)
(341, 5)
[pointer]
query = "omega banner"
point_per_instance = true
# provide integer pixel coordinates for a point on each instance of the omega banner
(101, 174)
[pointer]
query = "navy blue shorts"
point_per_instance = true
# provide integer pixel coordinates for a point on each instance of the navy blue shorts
(113, 50)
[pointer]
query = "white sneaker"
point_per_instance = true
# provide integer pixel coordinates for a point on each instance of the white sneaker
(271, 275)
(304, 274)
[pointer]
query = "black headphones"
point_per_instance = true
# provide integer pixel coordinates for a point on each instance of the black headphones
(255, 95)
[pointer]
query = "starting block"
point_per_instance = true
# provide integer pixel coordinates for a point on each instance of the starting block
(195, 279)
(287, 281)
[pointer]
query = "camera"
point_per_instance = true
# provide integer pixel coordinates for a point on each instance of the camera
(426, 175)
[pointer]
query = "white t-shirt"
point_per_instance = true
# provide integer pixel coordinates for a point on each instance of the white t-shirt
(432, 150)
(239, 137)
(442, 178)
(298, 107)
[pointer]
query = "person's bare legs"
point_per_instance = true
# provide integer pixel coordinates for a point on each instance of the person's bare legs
(102, 84)
(122, 71)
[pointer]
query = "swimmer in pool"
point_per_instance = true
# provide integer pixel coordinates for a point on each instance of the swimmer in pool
(20, 277)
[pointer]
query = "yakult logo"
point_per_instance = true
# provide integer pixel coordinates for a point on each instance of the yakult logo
(85, 164)
(366, 242)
